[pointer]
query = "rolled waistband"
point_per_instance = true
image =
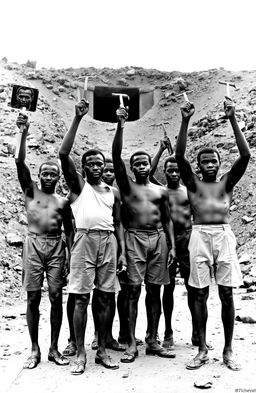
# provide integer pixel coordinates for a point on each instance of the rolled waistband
(45, 235)
(99, 231)
(210, 227)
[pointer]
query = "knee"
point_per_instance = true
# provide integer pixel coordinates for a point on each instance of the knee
(82, 301)
(226, 295)
(55, 295)
(33, 299)
(134, 292)
(153, 290)
(200, 295)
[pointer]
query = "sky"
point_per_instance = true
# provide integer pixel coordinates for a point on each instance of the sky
(168, 35)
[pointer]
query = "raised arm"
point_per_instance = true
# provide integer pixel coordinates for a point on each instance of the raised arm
(162, 146)
(241, 163)
(187, 175)
(22, 169)
(117, 146)
(67, 164)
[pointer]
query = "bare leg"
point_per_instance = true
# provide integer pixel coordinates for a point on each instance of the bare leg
(33, 302)
(33, 316)
(134, 292)
(80, 321)
(104, 319)
(95, 316)
(122, 308)
(168, 303)
(70, 316)
(55, 296)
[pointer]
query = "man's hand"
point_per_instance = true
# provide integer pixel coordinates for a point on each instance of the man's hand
(22, 121)
(229, 107)
(165, 142)
(171, 257)
(187, 110)
(122, 114)
(82, 108)
(122, 267)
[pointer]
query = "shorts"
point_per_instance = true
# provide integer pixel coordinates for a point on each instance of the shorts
(43, 253)
(147, 254)
(213, 255)
(93, 261)
(182, 255)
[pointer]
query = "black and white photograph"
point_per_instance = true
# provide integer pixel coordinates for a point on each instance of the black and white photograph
(127, 196)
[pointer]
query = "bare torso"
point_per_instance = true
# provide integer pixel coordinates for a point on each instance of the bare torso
(179, 208)
(45, 212)
(210, 202)
(142, 206)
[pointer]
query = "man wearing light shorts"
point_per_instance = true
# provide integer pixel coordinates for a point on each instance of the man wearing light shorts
(96, 211)
(212, 244)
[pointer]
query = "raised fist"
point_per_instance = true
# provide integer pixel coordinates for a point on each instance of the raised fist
(82, 108)
(187, 109)
(229, 107)
(22, 121)
(122, 114)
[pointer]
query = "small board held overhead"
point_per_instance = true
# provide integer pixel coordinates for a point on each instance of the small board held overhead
(24, 97)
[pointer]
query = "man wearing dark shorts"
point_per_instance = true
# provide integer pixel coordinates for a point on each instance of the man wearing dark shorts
(148, 240)
(44, 248)
(181, 218)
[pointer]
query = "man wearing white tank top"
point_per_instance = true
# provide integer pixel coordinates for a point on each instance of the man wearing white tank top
(98, 241)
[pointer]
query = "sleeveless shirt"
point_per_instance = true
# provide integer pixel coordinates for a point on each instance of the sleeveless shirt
(93, 209)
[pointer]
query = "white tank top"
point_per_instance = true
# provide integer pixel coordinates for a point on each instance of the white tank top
(93, 209)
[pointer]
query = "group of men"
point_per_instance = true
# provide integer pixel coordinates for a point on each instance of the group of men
(118, 238)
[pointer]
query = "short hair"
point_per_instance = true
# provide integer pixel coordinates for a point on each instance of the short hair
(51, 163)
(207, 150)
(23, 88)
(170, 159)
(139, 153)
(108, 160)
(91, 152)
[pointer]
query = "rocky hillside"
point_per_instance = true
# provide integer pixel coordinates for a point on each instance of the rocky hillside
(57, 97)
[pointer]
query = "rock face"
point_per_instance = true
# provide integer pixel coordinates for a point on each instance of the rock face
(58, 95)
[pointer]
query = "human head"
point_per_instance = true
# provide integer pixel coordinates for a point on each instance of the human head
(49, 174)
(171, 171)
(207, 150)
(24, 96)
(108, 172)
(93, 162)
(208, 160)
(140, 163)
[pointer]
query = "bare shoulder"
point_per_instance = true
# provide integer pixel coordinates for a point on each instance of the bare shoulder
(115, 191)
(62, 201)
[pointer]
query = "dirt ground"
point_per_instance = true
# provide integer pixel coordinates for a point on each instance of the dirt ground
(148, 373)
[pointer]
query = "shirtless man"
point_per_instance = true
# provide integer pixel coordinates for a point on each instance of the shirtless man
(182, 223)
(44, 249)
(96, 210)
(212, 243)
(148, 236)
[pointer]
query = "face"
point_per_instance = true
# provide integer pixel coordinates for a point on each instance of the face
(209, 165)
(94, 166)
(49, 176)
(172, 172)
(24, 98)
(108, 173)
(141, 166)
